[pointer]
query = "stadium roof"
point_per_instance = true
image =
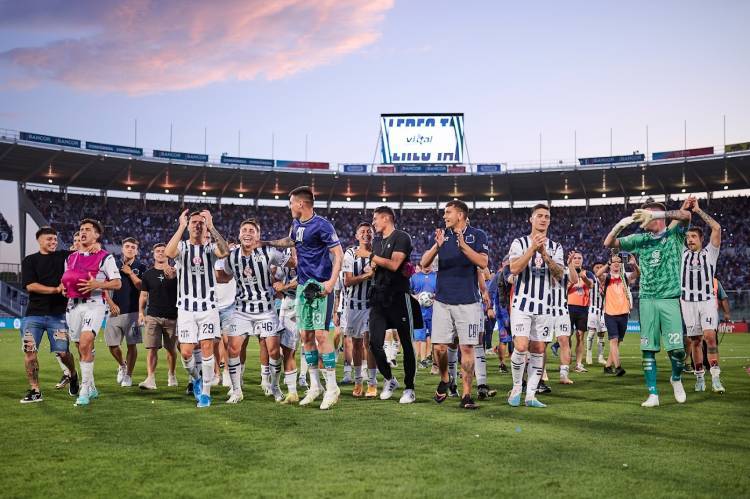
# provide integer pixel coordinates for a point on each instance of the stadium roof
(29, 162)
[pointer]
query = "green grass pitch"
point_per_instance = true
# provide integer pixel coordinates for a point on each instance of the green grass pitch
(593, 440)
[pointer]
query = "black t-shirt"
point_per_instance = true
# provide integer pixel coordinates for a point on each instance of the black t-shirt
(395, 282)
(46, 270)
(127, 296)
(162, 294)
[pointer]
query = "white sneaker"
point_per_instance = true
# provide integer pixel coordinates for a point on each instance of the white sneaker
(716, 385)
(278, 396)
(588, 358)
(126, 380)
(225, 379)
(408, 397)
(121, 372)
(147, 384)
(330, 398)
(310, 396)
(651, 401)
(388, 389)
(266, 387)
(601, 360)
(171, 380)
(235, 397)
(679, 391)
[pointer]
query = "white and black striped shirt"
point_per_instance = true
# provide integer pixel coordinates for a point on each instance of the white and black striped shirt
(532, 290)
(356, 296)
(559, 296)
(596, 299)
(255, 293)
(697, 271)
(286, 275)
(196, 283)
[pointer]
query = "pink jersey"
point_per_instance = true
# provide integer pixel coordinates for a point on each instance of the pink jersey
(85, 266)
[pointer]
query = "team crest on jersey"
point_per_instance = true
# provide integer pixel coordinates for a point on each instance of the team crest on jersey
(197, 260)
(538, 260)
(655, 258)
(248, 271)
(469, 239)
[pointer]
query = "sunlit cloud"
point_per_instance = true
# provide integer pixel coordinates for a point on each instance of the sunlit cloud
(145, 46)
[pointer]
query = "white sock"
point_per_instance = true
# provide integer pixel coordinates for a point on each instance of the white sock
(358, 374)
(347, 370)
(87, 376)
(64, 368)
(198, 357)
(517, 365)
(388, 347)
(290, 380)
(208, 374)
(189, 366)
(275, 367)
(600, 347)
(331, 384)
(452, 361)
(564, 372)
(534, 374)
(480, 365)
(372, 378)
(303, 367)
(700, 374)
(265, 374)
(589, 343)
(242, 374)
(314, 378)
(234, 367)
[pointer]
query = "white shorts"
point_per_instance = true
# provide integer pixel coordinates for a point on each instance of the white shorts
(86, 316)
(343, 319)
(532, 326)
(596, 323)
(699, 316)
(561, 325)
(263, 325)
(456, 321)
(288, 319)
(357, 323)
(193, 327)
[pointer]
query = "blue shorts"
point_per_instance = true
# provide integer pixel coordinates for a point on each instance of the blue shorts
(33, 328)
(425, 332)
(503, 325)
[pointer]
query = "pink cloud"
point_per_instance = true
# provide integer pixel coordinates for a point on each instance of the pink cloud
(147, 46)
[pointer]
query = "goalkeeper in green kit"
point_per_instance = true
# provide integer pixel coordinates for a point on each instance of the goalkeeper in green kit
(659, 249)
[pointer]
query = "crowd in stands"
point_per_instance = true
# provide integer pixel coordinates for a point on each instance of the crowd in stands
(582, 228)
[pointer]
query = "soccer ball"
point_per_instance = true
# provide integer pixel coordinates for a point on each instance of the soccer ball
(425, 298)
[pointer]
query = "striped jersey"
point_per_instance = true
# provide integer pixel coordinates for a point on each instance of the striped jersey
(255, 293)
(596, 298)
(286, 275)
(532, 289)
(697, 273)
(196, 283)
(558, 306)
(356, 295)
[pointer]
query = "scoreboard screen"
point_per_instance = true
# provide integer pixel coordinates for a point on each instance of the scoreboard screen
(422, 138)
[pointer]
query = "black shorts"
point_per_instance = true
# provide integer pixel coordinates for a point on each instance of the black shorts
(579, 317)
(617, 325)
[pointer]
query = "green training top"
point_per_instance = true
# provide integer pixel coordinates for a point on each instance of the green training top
(660, 256)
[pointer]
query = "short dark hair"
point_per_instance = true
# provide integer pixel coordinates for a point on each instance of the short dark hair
(387, 210)
(539, 206)
(599, 262)
(194, 214)
(459, 205)
(697, 230)
(96, 223)
(46, 231)
(305, 193)
(131, 240)
(653, 204)
(363, 224)
(158, 245)
(251, 221)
